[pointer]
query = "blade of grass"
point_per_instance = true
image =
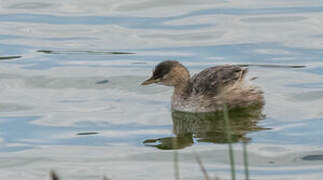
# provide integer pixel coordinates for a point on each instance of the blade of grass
(176, 166)
(198, 159)
(53, 175)
(245, 160)
(229, 137)
(105, 178)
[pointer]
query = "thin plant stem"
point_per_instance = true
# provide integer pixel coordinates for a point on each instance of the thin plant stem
(245, 160)
(53, 175)
(199, 161)
(176, 166)
(105, 178)
(229, 137)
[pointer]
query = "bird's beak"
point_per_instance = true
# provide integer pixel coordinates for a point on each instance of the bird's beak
(150, 81)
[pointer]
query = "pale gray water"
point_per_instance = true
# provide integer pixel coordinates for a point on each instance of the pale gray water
(77, 105)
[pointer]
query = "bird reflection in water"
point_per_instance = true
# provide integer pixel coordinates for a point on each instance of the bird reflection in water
(190, 128)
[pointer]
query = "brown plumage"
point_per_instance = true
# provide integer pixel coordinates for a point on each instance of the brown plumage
(208, 90)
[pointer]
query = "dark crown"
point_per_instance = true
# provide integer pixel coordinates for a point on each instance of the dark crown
(164, 68)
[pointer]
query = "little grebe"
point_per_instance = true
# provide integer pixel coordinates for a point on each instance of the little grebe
(208, 90)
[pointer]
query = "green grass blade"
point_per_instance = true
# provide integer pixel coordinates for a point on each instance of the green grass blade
(176, 166)
(245, 160)
(229, 137)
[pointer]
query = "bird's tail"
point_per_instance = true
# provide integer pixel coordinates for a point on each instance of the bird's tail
(243, 74)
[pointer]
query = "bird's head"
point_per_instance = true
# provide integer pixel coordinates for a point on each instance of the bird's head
(169, 73)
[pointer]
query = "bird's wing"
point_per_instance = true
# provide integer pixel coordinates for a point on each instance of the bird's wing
(210, 80)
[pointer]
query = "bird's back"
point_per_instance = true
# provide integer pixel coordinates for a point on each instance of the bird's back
(211, 80)
(211, 88)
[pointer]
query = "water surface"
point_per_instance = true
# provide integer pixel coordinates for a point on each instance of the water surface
(71, 99)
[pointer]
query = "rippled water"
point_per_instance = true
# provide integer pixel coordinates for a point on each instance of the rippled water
(71, 99)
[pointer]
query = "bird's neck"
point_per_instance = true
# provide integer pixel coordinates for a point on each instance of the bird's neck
(181, 89)
(182, 79)
(181, 95)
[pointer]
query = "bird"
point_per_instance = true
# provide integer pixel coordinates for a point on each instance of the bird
(214, 89)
